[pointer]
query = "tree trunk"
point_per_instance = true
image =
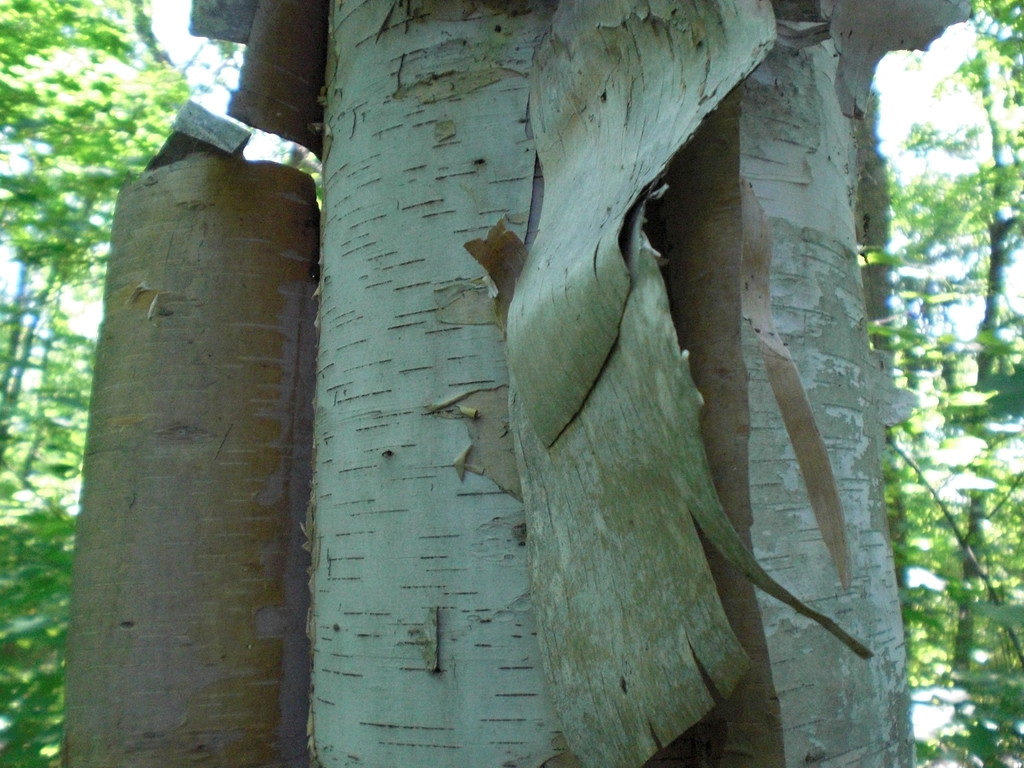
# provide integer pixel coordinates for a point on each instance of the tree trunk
(187, 638)
(405, 95)
(836, 709)
(423, 638)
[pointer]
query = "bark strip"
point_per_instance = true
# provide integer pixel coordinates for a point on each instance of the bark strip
(630, 621)
(697, 226)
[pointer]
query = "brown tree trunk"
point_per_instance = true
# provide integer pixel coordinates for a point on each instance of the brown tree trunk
(187, 639)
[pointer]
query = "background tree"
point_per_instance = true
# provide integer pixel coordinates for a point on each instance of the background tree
(956, 466)
(85, 100)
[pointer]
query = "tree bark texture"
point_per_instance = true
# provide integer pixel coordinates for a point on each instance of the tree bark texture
(187, 639)
(424, 644)
(279, 86)
(798, 152)
(803, 181)
(697, 226)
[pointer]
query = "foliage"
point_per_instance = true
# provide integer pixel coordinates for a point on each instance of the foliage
(956, 475)
(86, 102)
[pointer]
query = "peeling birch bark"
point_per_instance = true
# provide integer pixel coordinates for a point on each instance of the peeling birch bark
(613, 467)
(842, 712)
(613, 509)
(187, 633)
(784, 378)
(616, 90)
(416, 555)
(614, 470)
(633, 634)
(865, 30)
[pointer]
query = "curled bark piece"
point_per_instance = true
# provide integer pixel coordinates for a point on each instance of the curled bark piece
(627, 74)
(503, 255)
(631, 628)
(202, 125)
(866, 30)
(613, 509)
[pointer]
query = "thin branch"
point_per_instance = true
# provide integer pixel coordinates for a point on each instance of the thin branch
(990, 590)
(961, 538)
(1006, 497)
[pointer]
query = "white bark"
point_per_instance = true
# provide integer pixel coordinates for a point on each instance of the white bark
(837, 710)
(424, 647)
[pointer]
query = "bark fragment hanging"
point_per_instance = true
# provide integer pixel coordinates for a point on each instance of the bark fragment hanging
(502, 254)
(603, 406)
(612, 75)
(696, 225)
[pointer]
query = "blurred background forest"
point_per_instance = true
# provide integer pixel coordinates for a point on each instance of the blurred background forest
(87, 96)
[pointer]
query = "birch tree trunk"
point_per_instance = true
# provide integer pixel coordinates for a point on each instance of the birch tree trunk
(423, 639)
(838, 710)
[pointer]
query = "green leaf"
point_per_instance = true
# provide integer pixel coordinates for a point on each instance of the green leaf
(22, 626)
(968, 398)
